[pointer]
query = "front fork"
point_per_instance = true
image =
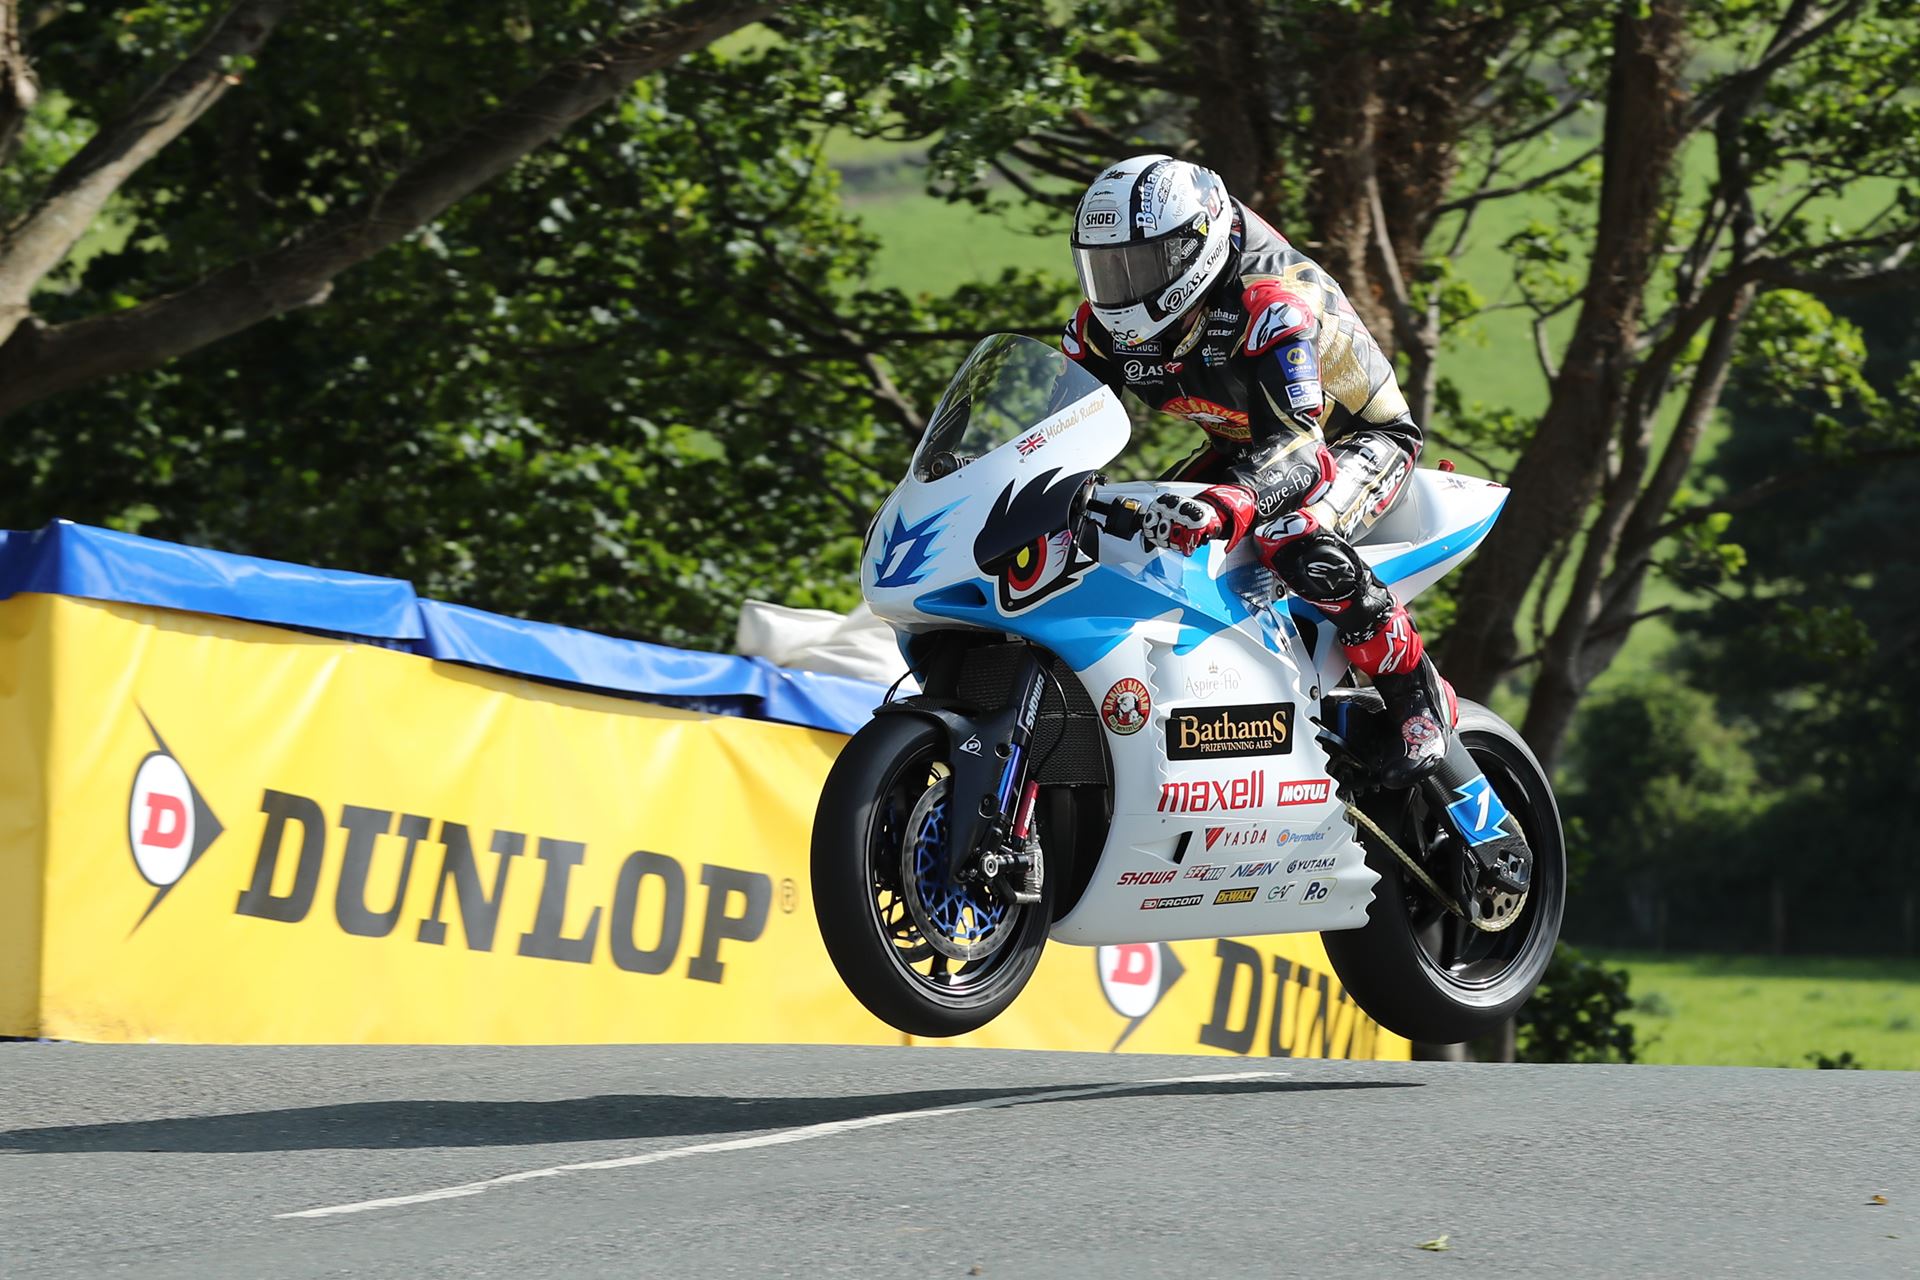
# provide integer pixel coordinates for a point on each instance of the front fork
(1007, 814)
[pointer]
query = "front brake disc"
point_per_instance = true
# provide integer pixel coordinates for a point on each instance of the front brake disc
(962, 922)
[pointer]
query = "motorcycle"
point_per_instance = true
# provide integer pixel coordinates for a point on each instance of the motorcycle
(1114, 745)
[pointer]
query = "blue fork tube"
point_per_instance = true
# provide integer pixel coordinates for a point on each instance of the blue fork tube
(1010, 777)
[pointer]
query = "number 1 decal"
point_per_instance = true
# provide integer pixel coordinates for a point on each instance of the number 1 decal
(1478, 813)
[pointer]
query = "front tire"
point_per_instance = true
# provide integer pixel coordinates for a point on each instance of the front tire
(873, 813)
(1417, 969)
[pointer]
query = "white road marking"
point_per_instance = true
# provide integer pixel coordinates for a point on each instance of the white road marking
(781, 1137)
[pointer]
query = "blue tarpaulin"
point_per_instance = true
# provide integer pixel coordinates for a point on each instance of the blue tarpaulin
(99, 564)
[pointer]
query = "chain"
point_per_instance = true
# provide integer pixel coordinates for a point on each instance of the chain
(1420, 873)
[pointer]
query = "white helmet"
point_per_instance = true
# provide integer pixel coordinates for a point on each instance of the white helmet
(1149, 239)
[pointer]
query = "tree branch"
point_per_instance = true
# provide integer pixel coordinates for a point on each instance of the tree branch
(1513, 189)
(1019, 183)
(1800, 477)
(1544, 123)
(1556, 563)
(36, 243)
(40, 360)
(1407, 330)
(1641, 531)
(1617, 627)
(1890, 272)
(1802, 25)
(1542, 349)
(1453, 444)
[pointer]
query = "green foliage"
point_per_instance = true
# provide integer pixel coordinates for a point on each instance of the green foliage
(1845, 1062)
(1795, 351)
(622, 387)
(1576, 1014)
(1656, 778)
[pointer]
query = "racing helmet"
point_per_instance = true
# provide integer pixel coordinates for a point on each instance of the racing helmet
(1150, 237)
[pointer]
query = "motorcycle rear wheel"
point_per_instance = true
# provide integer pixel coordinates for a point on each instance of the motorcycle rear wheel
(1417, 969)
(863, 848)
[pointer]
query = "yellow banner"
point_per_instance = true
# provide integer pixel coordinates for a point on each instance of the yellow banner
(212, 831)
(257, 835)
(1258, 997)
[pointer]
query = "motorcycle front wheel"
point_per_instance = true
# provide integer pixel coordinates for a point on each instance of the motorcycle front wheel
(1422, 971)
(925, 955)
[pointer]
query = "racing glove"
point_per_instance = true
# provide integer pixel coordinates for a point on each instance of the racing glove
(1182, 523)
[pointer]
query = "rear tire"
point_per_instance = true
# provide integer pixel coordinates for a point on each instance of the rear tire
(1417, 970)
(881, 953)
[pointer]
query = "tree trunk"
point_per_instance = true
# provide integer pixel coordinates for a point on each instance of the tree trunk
(1599, 613)
(1382, 156)
(1777, 912)
(1559, 472)
(1342, 176)
(19, 90)
(36, 243)
(1233, 119)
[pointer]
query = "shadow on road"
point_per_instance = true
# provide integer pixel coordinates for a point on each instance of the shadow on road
(403, 1125)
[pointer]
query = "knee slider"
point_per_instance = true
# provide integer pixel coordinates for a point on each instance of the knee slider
(1322, 569)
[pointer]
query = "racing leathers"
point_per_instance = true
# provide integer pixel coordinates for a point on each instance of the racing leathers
(1309, 443)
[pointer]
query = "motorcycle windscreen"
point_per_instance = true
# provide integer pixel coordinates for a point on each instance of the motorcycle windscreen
(1008, 383)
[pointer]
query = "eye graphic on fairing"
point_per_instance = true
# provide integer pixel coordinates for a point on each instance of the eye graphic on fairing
(1039, 569)
(1027, 544)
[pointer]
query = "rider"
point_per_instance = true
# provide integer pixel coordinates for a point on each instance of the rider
(1201, 309)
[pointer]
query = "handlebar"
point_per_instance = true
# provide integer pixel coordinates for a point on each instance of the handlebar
(1119, 516)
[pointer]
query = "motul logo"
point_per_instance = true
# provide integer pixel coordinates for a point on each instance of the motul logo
(1241, 793)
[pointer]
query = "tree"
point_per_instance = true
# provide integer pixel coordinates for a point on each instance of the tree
(634, 378)
(1378, 130)
(1828, 605)
(1349, 124)
(295, 265)
(1793, 126)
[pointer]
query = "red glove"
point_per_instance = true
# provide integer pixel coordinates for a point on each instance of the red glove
(1180, 523)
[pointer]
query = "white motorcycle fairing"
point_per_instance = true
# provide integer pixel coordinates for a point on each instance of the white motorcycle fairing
(1245, 843)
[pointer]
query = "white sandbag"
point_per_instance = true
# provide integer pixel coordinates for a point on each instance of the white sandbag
(855, 644)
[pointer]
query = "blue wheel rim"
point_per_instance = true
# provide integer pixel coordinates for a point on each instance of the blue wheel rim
(965, 914)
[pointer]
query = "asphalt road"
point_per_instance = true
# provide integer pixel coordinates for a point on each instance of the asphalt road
(175, 1161)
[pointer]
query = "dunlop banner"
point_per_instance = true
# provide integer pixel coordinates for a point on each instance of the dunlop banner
(258, 835)
(214, 831)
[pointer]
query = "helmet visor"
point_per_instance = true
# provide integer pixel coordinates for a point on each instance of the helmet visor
(1121, 275)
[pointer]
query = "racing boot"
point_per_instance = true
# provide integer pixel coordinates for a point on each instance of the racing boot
(1423, 707)
(1421, 714)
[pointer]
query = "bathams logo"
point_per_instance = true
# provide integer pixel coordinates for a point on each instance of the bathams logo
(168, 822)
(639, 927)
(1255, 729)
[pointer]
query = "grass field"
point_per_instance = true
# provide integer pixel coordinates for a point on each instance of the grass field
(1773, 1011)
